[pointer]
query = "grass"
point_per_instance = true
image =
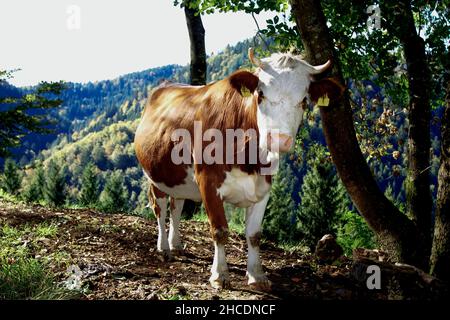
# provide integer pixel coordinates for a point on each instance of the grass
(28, 278)
(200, 216)
(46, 230)
(294, 248)
(235, 218)
(8, 197)
(110, 228)
(22, 275)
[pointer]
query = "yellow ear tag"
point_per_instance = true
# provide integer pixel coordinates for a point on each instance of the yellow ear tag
(323, 101)
(245, 92)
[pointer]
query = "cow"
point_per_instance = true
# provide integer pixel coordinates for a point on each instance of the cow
(266, 103)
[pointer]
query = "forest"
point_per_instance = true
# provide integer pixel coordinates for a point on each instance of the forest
(372, 169)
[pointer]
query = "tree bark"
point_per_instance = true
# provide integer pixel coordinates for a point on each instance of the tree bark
(197, 39)
(440, 257)
(396, 232)
(197, 71)
(400, 22)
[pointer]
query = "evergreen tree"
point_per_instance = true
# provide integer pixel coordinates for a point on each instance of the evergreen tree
(323, 198)
(26, 113)
(114, 197)
(279, 219)
(11, 179)
(89, 186)
(35, 190)
(54, 191)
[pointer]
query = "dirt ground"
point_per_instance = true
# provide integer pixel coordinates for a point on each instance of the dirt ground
(114, 257)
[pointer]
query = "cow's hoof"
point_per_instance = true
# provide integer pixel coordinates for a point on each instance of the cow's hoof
(165, 255)
(261, 284)
(221, 282)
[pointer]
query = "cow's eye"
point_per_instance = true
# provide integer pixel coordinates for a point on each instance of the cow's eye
(303, 104)
(260, 96)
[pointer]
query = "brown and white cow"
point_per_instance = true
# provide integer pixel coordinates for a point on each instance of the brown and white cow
(267, 103)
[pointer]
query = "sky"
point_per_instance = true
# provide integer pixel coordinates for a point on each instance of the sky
(91, 40)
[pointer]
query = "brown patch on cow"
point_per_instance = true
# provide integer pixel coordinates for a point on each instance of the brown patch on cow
(208, 181)
(153, 194)
(172, 203)
(220, 235)
(328, 86)
(255, 240)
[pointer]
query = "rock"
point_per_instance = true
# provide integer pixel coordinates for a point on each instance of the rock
(375, 254)
(327, 249)
(400, 281)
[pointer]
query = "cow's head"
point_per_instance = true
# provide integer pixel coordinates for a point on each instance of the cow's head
(284, 80)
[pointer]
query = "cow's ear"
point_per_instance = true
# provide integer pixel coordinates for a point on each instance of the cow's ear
(244, 82)
(329, 87)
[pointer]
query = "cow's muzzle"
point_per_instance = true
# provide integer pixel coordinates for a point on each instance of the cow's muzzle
(279, 142)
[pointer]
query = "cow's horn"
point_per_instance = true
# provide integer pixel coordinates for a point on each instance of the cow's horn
(253, 59)
(319, 69)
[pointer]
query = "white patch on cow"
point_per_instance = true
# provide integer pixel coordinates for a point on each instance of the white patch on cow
(284, 81)
(219, 269)
(174, 232)
(187, 190)
(253, 221)
(163, 243)
(242, 189)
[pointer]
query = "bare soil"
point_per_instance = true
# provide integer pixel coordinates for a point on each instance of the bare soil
(116, 255)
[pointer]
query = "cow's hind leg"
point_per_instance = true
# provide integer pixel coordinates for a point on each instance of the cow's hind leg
(176, 206)
(253, 222)
(158, 200)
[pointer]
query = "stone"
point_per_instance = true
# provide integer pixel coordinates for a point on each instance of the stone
(400, 281)
(328, 250)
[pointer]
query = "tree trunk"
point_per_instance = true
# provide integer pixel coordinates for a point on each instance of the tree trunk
(396, 232)
(198, 71)
(197, 39)
(440, 257)
(417, 184)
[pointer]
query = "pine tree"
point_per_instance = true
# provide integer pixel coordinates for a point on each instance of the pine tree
(89, 186)
(24, 114)
(114, 197)
(323, 198)
(279, 220)
(35, 190)
(11, 179)
(54, 190)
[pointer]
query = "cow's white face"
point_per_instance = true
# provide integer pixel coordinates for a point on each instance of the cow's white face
(283, 84)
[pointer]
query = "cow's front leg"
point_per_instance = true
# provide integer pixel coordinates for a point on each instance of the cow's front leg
(176, 206)
(219, 228)
(253, 222)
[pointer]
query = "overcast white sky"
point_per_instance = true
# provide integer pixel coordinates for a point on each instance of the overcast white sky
(115, 37)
